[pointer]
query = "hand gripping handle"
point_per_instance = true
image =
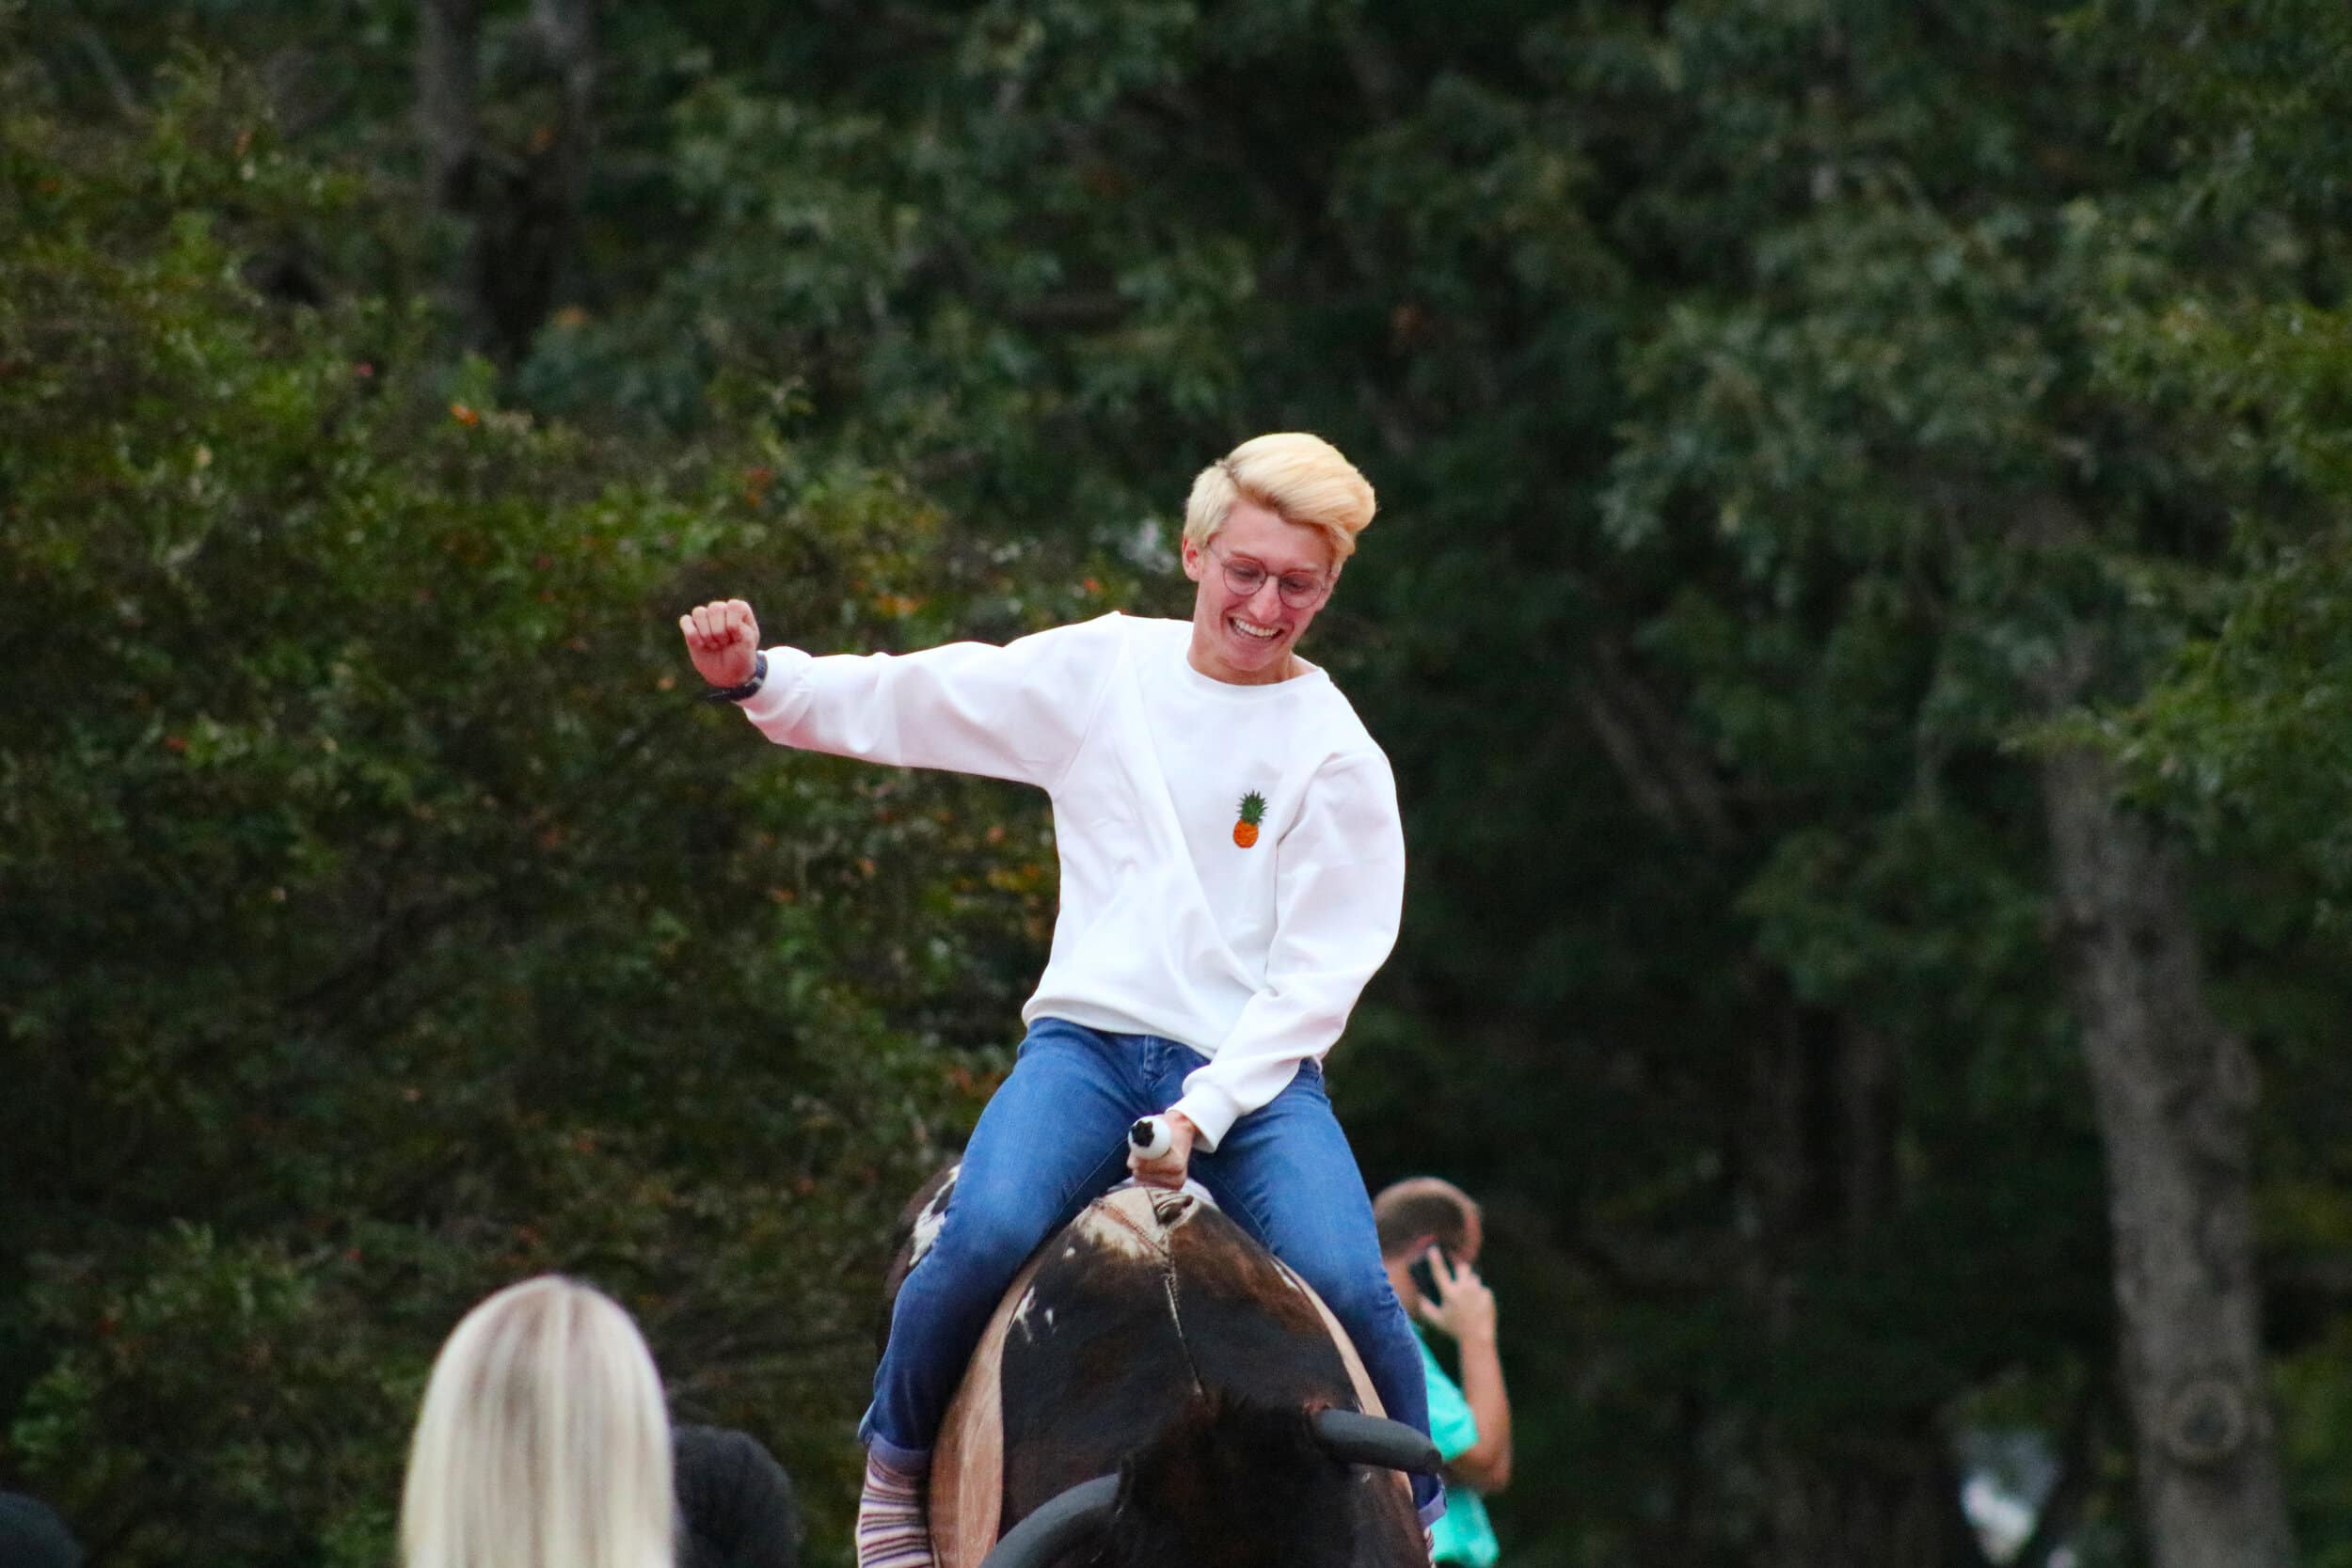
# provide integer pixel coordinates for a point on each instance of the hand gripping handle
(1150, 1137)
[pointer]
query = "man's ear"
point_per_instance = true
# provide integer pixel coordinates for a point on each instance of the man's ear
(1420, 1249)
(1190, 554)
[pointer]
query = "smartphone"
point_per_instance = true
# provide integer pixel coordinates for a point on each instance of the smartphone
(1425, 1277)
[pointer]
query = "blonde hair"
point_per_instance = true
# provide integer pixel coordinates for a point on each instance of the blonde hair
(1300, 478)
(543, 1441)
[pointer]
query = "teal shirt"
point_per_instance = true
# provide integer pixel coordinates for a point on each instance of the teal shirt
(1463, 1535)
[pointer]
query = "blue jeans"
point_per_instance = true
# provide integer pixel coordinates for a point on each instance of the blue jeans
(1053, 1139)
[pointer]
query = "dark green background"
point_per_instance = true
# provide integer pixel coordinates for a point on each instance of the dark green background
(380, 922)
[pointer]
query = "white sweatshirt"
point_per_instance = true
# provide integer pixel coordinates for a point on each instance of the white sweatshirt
(1253, 956)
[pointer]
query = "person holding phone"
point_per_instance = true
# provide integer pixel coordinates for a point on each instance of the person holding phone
(1431, 1235)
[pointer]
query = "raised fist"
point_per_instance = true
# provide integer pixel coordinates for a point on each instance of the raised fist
(722, 638)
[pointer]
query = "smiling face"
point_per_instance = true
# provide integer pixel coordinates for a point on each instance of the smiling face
(1246, 639)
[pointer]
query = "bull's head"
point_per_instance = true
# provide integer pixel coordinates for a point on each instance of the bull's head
(1225, 1485)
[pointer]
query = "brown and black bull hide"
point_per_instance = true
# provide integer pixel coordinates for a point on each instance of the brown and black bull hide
(1154, 1341)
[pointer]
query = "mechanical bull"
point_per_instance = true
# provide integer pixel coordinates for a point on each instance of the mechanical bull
(1156, 1390)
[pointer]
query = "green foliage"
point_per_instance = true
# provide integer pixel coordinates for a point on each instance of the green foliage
(387, 922)
(1760, 397)
(245, 1350)
(2248, 355)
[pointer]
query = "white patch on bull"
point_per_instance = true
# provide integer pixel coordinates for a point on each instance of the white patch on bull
(1111, 1231)
(934, 1214)
(1021, 1314)
(1191, 1189)
(1049, 1317)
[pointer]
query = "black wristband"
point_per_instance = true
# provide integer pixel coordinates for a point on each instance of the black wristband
(744, 692)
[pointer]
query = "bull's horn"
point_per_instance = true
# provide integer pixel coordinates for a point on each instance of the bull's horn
(1362, 1440)
(1056, 1527)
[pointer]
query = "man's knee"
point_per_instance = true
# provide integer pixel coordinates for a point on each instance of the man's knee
(1355, 1289)
(988, 1241)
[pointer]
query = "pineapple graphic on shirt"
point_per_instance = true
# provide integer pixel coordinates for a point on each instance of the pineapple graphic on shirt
(1252, 812)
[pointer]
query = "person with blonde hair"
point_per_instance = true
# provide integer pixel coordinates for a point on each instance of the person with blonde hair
(544, 1441)
(1232, 872)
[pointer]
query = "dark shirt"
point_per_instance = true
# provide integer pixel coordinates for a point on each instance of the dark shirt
(32, 1535)
(736, 1507)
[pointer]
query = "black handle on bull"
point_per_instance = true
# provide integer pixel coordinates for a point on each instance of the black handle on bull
(1076, 1516)
(1362, 1440)
(1150, 1137)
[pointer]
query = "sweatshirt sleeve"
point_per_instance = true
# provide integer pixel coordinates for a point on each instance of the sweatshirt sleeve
(1339, 895)
(1017, 712)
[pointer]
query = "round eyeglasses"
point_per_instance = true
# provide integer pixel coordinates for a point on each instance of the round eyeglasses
(1295, 588)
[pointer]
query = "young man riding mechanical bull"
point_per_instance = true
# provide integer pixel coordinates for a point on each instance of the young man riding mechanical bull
(1233, 868)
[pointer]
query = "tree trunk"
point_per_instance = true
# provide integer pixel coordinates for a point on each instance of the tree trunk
(1819, 1176)
(448, 127)
(1893, 1504)
(517, 206)
(529, 234)
(447, 33)
(2174, 1095)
